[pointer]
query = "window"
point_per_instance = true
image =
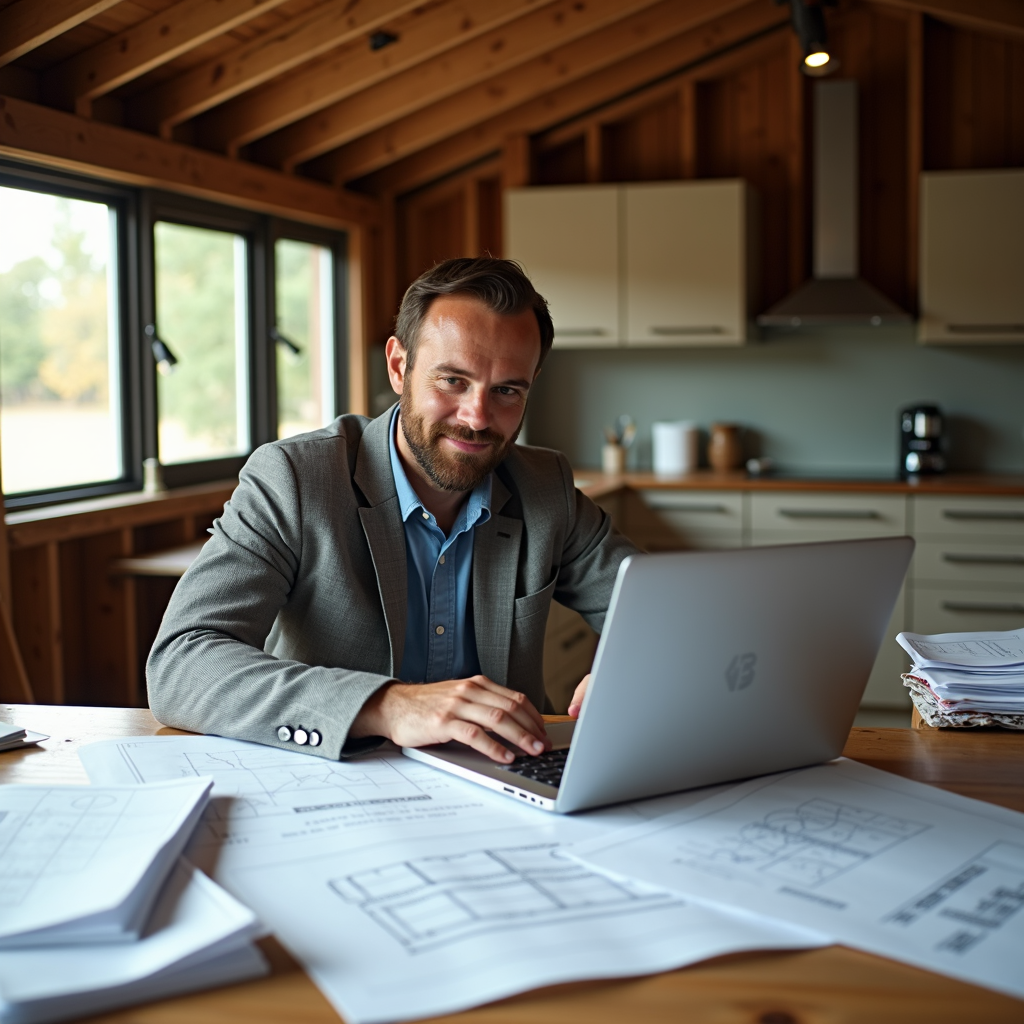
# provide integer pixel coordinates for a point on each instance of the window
(137, 324)
(60, 383)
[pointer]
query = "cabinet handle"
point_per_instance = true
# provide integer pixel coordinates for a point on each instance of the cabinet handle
(827, 513)
(1004, 607)
(983, 559)
(579, 332)
(668, 506)
(981, 515)
(679, 331)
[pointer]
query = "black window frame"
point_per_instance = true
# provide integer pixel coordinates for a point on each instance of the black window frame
(138, 211)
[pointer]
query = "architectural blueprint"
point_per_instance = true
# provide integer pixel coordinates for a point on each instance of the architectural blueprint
(407, 892)
(877, 861)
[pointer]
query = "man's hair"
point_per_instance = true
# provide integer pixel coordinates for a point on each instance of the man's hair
(501, 285)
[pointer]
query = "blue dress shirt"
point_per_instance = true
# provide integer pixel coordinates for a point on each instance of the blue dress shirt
(439, 638)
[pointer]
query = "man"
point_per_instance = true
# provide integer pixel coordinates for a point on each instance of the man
(392, 577)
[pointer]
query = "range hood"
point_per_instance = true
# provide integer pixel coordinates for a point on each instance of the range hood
(835, 295)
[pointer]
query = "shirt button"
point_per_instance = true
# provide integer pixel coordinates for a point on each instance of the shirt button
(441, 559)
(426, 515)
(439, 630)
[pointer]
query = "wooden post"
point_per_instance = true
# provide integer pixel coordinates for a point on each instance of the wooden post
(915, 146)
(592, 143)
(797, 169)
(14, 684)
(359, 302)
(515, 162)
(688, 128)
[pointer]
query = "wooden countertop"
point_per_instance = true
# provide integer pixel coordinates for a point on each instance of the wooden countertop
(822, 986)
(598, 485)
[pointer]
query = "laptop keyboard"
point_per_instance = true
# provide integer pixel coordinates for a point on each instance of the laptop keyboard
(546, 768)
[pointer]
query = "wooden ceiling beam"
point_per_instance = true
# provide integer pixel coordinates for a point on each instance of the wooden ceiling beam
(525, 39)
(527, 81)
(429, 33)
(251, 64)
(57, 139)
(28, 24)
(687, 50)
(1003, 17)
(148, 44)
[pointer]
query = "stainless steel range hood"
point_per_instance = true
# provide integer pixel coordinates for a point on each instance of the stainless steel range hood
(835, 295)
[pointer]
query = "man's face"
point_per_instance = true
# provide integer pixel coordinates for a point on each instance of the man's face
(463, 399)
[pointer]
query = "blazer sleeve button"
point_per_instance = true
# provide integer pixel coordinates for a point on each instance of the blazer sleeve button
(314, 738)
(284, 734)
(300, 736)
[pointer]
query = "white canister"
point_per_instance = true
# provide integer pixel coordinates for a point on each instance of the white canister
(674, 448)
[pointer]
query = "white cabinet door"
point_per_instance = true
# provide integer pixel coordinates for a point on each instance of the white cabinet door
(567, 240)
(686, 280)
(972, 256)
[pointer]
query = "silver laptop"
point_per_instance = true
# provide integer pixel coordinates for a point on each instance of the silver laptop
(713, 666)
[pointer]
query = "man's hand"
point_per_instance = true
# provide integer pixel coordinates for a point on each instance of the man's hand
(577, 698)
(417, 714)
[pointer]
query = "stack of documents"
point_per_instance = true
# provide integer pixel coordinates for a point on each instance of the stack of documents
(14, 736)
(96, 908)
(960, 680)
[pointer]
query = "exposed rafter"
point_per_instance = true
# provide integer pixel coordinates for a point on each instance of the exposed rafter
(1004, 17)
(41, 134)
(150, 43)
(30, 23)
(273, 53)
(430, 32)
(533, 79)
(527, 40)
(663, 58)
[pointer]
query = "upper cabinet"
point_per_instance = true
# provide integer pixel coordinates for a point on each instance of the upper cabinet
(639, 265)
(972, 257)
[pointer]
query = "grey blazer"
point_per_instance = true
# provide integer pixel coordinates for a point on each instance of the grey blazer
(295, 612)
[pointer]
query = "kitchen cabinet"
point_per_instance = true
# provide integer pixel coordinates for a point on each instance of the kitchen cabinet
(661, 264)
(567, 240)
(972, 257)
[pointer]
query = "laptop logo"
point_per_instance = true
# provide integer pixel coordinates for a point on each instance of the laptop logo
(740, 673)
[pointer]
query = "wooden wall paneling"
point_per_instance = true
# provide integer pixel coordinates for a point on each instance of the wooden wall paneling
(73, 599)
(432, 227)
(999, 17)
(40, 134)
(562, 163)
(561, 103)
(645, 145)
(37, 619)
(489, 240)
(534, 78)
(915, 149)
(516, 161)
(797, 168)
(28, 24)
(973, 99)
(360, 304)
(257, 60)
(688, 128)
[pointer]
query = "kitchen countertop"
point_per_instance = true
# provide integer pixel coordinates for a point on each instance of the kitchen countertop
(599, 485)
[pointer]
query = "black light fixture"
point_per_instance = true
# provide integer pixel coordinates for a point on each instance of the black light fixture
(809, 26)
(378, 40)
(166, 360)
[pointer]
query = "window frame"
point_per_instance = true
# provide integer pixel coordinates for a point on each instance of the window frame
(138, 210)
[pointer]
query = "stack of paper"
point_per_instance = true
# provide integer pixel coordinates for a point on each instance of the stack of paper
(94, 912)
(14, 736)
(967, 679)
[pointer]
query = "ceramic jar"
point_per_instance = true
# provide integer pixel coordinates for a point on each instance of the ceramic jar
(724, 449)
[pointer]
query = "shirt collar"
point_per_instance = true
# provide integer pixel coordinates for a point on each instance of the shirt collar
(476, 510)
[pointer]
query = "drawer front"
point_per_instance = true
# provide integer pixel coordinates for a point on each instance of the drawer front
(792, 517)
(701, 519)
(970, 563)
(959, 610)
(980, 518)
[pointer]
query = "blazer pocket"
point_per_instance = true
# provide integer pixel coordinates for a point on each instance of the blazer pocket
(534, 604)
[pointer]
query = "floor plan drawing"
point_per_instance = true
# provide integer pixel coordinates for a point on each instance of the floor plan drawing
(429, 902)
(265, 781)
(807, 844)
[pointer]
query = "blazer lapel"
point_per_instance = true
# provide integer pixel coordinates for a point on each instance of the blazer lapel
(384, 529)
(495, 566)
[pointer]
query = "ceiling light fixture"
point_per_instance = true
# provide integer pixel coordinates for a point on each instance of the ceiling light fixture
(809, 26)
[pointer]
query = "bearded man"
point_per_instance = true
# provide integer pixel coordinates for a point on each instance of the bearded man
(391, 578)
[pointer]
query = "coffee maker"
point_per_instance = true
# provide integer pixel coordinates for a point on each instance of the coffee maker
(921, 441)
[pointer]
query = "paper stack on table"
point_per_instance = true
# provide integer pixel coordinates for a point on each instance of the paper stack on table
(96, 908)
(959, 680)
(13, 737)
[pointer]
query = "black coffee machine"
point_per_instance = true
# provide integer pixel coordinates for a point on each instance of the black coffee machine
(922, 440)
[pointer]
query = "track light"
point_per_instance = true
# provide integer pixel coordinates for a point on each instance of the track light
(809, 26)
(166, 360)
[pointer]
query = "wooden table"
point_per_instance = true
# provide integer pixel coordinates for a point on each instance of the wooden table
(822, 986)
